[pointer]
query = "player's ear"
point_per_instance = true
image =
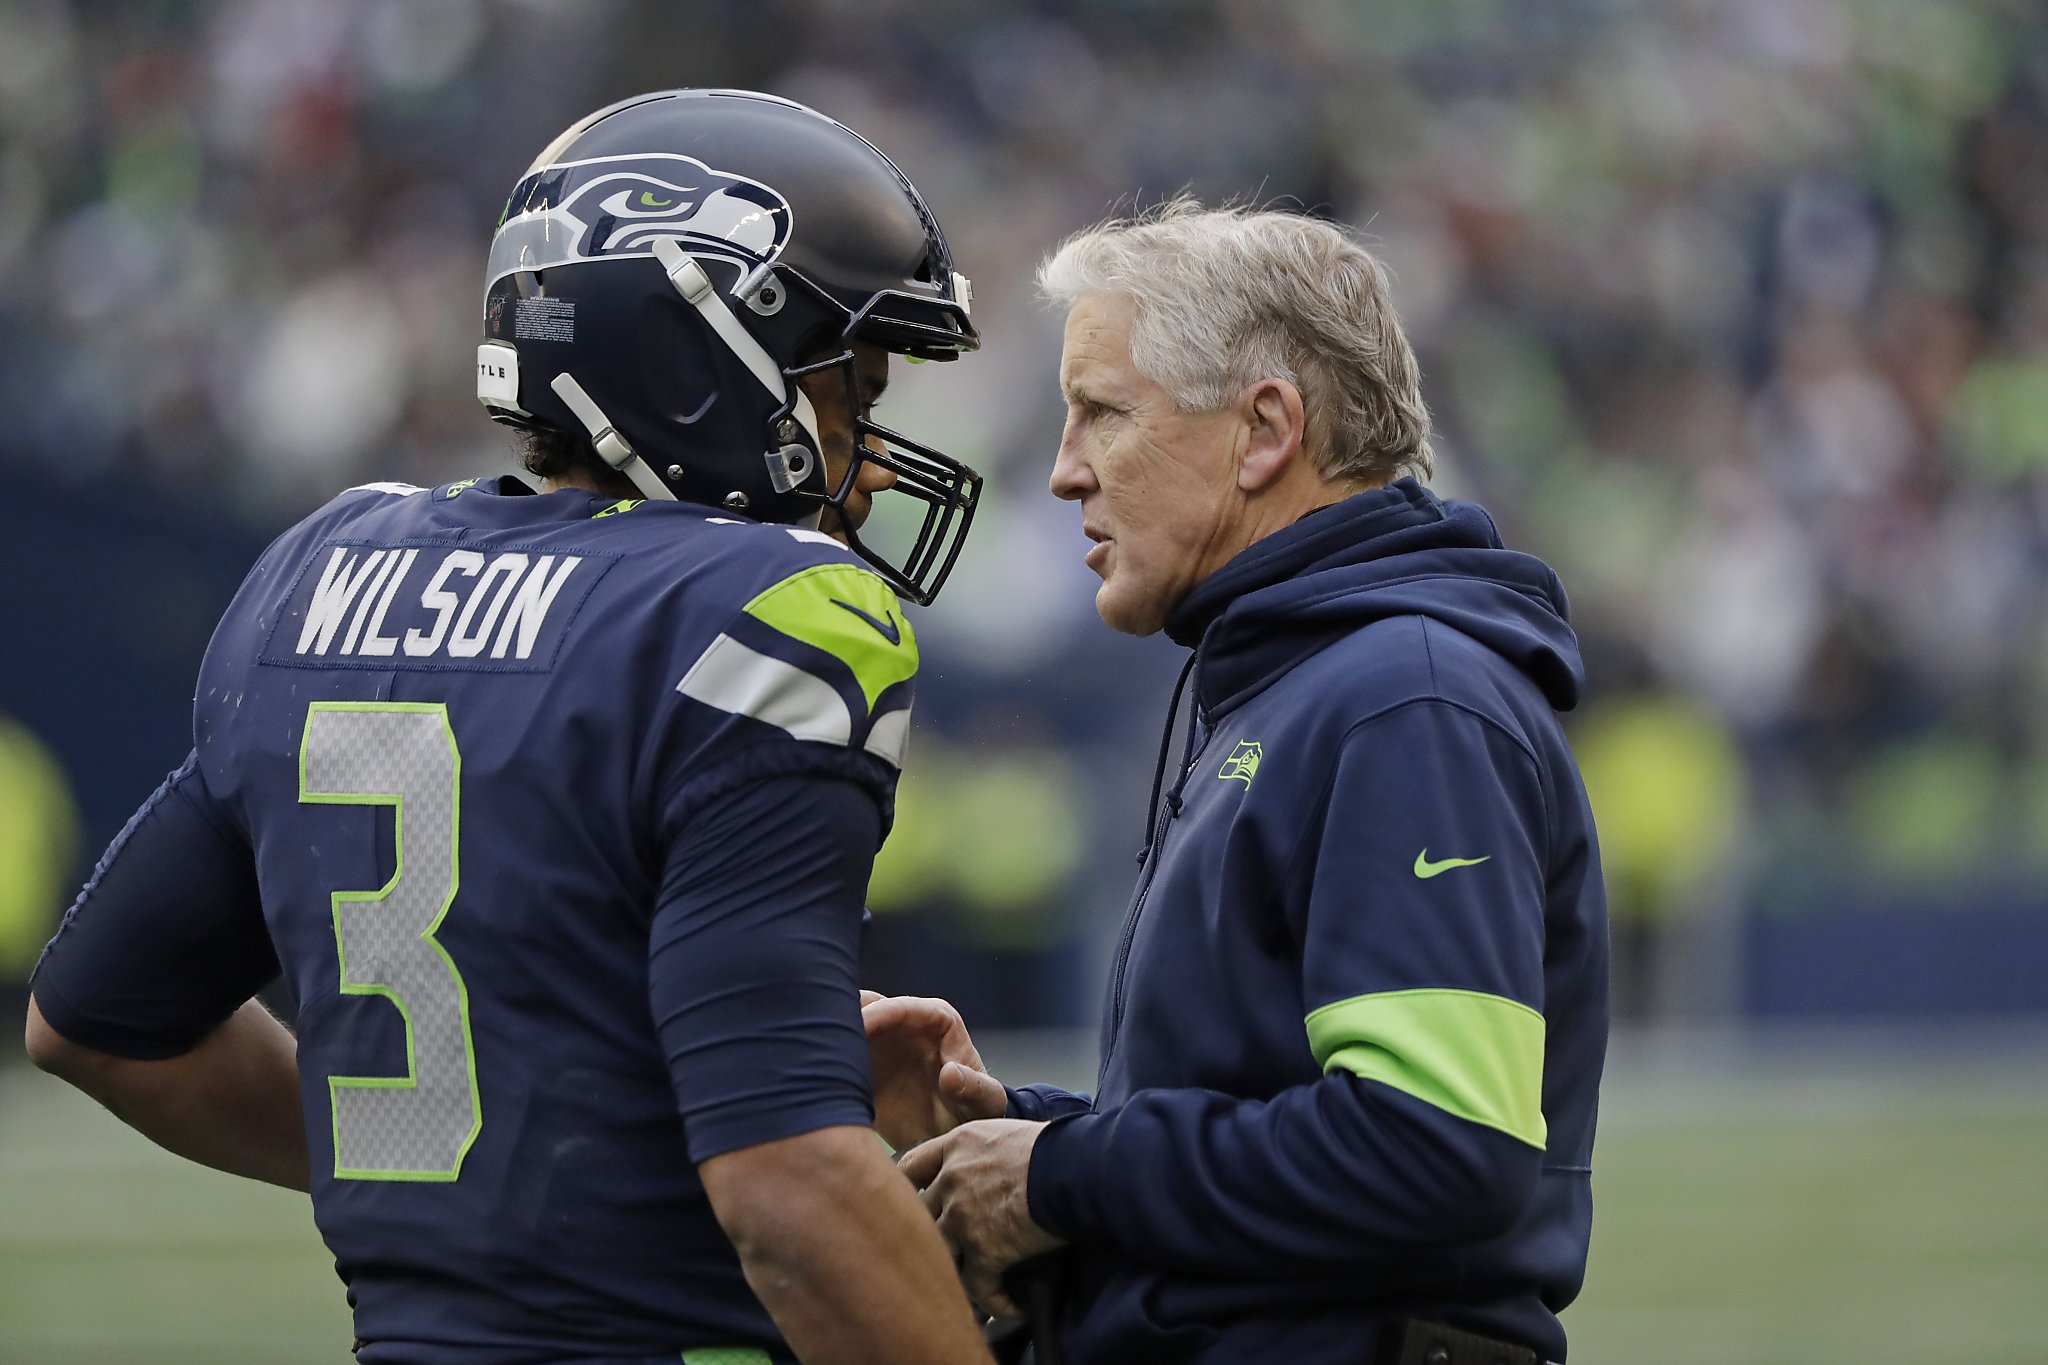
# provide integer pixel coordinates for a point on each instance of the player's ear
(1274, 426)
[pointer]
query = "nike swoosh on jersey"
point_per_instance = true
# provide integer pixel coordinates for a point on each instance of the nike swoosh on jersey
(891, 632)
(1426, 869)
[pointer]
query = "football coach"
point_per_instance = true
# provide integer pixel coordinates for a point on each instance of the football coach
(1353, 1035)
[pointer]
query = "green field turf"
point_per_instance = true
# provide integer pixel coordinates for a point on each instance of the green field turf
(1798, 1215)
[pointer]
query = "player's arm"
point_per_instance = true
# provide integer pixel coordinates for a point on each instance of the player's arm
(753, 976)
(838, 1247)
(231, 1103)
(143, 998)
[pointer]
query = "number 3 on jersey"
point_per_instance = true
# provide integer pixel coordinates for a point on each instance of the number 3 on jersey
(420, 1125)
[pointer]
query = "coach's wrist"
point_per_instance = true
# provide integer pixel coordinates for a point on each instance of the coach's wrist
(1059, 1183)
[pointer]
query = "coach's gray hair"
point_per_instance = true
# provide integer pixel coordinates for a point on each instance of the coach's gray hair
(1228, 297)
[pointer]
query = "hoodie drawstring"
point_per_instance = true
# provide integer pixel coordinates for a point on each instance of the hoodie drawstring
(1159, 769)
(1187, 757)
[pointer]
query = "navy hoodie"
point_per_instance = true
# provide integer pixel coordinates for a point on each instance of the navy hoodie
(1353, 1039)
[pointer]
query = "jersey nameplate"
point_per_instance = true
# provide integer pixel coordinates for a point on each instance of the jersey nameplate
(430, 605)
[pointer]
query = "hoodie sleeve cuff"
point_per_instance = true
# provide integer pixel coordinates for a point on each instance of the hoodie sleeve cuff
(1059, 1188)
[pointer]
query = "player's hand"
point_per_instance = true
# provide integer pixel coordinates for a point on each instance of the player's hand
(973, 1182)
(928, 1077)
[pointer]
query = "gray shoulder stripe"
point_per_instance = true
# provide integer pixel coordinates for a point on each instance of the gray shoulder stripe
(888, 736)
(745, 682)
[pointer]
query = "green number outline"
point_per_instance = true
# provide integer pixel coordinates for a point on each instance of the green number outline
(395, 800)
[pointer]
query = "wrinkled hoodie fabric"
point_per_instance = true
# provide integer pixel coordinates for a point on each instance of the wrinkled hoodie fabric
(1353, 1036)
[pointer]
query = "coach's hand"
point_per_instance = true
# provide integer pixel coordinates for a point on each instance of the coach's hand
(973, 1182)
(928, 1077)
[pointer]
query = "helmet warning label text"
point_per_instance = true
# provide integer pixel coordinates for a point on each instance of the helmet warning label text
(544, 319)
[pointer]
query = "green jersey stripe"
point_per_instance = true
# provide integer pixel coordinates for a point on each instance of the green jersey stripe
(851, 614)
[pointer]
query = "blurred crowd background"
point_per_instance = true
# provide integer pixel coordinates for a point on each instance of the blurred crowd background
(1734, 310)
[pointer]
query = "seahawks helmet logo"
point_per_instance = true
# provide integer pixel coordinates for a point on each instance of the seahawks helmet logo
(617, 206)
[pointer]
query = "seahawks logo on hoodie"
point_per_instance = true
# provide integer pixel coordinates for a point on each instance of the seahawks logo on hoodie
(617, 206)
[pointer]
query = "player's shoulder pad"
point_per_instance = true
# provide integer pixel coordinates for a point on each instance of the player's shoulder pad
(819, 646)
(335, 513)
(359, 499)
(387, 487)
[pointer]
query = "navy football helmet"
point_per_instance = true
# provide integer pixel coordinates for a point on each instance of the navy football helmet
(669, 267)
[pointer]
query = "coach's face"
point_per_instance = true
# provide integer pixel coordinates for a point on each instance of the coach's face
(1158, 487)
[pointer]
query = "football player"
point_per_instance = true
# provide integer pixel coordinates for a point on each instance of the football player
(555, 809)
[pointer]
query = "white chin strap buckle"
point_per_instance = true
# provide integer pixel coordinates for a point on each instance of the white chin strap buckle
(613, 447)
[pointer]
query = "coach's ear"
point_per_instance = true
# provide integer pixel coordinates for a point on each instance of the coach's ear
(1274, 425)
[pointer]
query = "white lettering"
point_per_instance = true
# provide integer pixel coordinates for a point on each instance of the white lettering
(383, 646)
(419, 643)
(339, 583)
(464, 645)
(529, 610)
(368, 600)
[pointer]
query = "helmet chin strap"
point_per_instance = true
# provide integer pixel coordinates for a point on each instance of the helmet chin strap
(697, 290)
(691, 281)
(605, 437)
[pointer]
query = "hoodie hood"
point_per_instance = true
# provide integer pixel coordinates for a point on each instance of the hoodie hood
(1393, 551)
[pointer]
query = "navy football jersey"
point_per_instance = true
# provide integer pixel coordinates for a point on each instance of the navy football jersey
(544, 796)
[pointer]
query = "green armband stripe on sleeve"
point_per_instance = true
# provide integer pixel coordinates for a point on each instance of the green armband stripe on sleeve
(1476, 1056)
(851, 614)
(725, 1355)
